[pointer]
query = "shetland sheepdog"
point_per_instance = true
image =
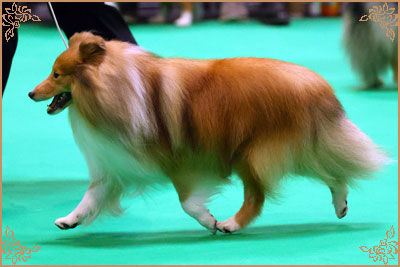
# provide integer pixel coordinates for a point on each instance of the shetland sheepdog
(371, 52)
(141, 120)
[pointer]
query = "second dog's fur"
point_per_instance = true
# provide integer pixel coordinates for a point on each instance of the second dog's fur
(371, 52)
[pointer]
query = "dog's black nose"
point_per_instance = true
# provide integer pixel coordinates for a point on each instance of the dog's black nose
(31, 94)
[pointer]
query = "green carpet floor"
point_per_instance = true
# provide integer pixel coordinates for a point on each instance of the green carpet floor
(44, 175)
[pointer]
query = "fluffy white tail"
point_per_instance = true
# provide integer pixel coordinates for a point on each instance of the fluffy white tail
(342, 152)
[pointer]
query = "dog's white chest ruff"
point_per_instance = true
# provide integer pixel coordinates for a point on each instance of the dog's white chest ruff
(108, 157)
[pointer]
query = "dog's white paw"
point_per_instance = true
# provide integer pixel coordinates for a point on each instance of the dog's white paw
(66, 223)
(341, 208)
(228, 226)
(211, 225)
(208, 221)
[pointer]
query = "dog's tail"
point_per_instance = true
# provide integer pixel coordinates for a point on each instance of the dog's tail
(342, 152)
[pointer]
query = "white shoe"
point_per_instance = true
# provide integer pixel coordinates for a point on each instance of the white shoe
(185, 19)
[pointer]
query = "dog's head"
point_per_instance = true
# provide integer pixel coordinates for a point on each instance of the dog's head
(84, 49)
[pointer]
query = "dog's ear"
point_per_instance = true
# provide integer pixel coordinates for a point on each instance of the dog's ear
(76, 38)
(92, 50)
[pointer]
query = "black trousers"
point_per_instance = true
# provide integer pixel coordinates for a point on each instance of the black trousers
(99, 18)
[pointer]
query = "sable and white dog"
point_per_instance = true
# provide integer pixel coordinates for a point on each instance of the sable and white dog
(140, 119)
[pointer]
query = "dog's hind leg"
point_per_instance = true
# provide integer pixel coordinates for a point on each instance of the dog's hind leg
(87, 210)
(339, 199)
(254, 197)
(260, 166)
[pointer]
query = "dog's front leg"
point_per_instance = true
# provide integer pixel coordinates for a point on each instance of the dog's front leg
(88, 208)
(193, 195)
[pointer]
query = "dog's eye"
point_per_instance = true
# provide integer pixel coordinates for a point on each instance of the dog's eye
(55, 75)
